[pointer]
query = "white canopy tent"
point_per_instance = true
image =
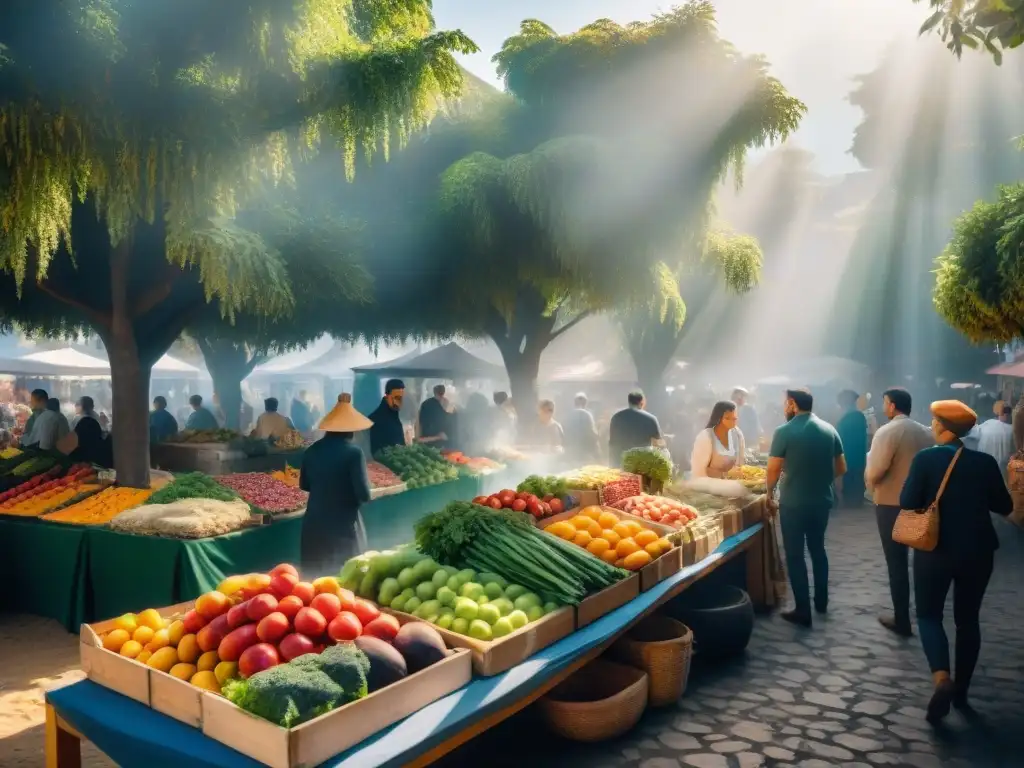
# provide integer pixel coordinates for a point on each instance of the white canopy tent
(70, 362)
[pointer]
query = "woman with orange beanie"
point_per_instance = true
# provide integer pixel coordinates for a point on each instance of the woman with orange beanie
(966, 547)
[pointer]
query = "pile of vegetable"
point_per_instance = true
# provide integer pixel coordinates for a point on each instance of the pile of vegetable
(184, 519)
(206, 436)
(658, 509)
(100, 508)
(289, 441)
(288, 476)
(468, 536)
(753, 478)
(474, 465)
(523, 502)
(479, 605)
(418, 465)
(651, 463)
(265, 493)
(623, 543)
(46, 491)
(9, 453)
(591, 478)
(623, 488)
(380, 476)
(25, 466)
(192, 485)
(544, 486)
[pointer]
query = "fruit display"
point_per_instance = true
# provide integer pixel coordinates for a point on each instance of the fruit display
(476, 466)
(206, 436)
(651, 463)
(184, 519)
(469, 536)
(100, 508)
(288, 476)
(626, 486)
(754, 478)
(280, 648)
(484, 606)
(622, 543)
(380, 476)
(265, 493)
(192, 485)
(591, 478)
(523, 502)
(46, 491)
(418, 465)
(27, 465)
(658, 509)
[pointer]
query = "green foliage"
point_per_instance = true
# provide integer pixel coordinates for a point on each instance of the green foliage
(648, 462)
(995, 25)
(980, 279)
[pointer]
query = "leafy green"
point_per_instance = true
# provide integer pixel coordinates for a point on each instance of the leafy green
(542, 486)
(418, 465)
(192, 485)
(648, 462)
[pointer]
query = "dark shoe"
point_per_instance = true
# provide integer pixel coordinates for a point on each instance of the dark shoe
(795, 617)
(940, 702)
(821, 609)
(897, 628)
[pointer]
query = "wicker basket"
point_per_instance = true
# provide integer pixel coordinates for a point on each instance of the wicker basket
(661, 647)
(600, 701)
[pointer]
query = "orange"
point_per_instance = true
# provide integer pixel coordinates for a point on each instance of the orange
(592, 527)
(161, 639)
(611, 537)
(175, 632)
(619, 563)
(206, 680)
(598, 546)
(182, 671)
(143, 657)
(665, 545)
(626, 547)
(580, 522)
(637, 560)
(608, 520)
(143, 635)
(593, 512)
(131, 649)
(188, 649)
(609, 556)
(582, 538)
(150, 618)
(163, 659)
(623, 530)
(208, 661)
(653, 549)
(126, 622)
(634, 527)
(115, 639)
(643, 538)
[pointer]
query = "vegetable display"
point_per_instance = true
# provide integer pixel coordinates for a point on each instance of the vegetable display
(522, 502)
(648, 462)
(417, 465)
(289, 441)
(623, 543)
(9, 453)
(468, 536)
(264, 492)
(591, 478)
(754, 478)
(544, 486)
(288, 476)
(100, 508)
(475, 465)
(380, 476)
(623, 488)
(658, 509)
(206, 436)
(46, 491)
(480, 605)
(192, 485)
(185, 518)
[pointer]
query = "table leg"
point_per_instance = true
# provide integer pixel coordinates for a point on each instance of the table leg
(63, 748)
(756, 573)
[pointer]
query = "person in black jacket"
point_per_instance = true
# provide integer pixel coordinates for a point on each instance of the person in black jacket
(387, 429)
(632, 427)
(965, 552)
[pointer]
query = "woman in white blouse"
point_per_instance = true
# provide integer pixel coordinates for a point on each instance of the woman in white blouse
(720, 446)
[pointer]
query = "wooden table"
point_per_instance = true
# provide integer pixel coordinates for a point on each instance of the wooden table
(63, 742)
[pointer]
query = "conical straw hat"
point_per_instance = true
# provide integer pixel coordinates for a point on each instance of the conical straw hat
(344, 418)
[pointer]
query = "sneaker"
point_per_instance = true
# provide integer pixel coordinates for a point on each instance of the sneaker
(795, 617)
(942, 698)
(897, 628)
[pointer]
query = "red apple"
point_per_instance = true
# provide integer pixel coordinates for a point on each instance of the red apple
(328, 605)
(273, 627)
(256, 658)
(294, 645)
(384, 627)
(304, 591)
(260, 606)
(282, 584)
(365, 611)
(193, 622)
(290, 606)
(310, 622)
(344, 626)
(236, 641)
(284, 568)
(237, 615)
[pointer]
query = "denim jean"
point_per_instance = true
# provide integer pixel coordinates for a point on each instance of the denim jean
(934, 572)
(805, 527)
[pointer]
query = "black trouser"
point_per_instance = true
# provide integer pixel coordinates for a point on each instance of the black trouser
(897, 558)
(933, 574)
(806, 526)
(853, 488)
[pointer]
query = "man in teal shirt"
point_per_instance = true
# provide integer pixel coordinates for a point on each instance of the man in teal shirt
(810, 453)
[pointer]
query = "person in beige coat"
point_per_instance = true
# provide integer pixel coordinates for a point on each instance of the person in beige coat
(893, 449)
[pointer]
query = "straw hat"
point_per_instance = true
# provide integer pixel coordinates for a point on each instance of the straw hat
(344, 418)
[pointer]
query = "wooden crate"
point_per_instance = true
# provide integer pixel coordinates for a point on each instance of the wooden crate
(594, 606)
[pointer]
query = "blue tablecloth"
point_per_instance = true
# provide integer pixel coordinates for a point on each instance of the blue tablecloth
(134, 735)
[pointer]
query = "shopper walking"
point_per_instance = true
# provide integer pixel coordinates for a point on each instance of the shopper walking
(971, 486)
(893, 449)
(811, 454)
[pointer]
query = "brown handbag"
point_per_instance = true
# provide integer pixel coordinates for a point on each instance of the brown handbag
(919, 528)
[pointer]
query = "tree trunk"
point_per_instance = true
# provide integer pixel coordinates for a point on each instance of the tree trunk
(229, 365)
(652, 381)
(523, 369)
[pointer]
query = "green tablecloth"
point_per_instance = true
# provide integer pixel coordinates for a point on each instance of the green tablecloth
(75, 574)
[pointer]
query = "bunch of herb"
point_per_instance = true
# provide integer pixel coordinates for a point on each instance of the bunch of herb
(192, 485)
(543, 486)
(648, 462)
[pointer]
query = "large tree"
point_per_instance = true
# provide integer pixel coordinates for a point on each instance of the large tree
(995, 25)
(121, 176)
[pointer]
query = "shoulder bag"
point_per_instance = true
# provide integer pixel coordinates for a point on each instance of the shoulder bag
(919, 528)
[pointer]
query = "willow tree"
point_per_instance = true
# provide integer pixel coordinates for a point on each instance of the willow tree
(666, 106)
(995, 25)
(122, 174)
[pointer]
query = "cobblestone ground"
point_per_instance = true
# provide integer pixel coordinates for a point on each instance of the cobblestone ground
(846, 693)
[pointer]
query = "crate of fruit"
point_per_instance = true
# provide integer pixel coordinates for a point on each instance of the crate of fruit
(641, 546)
(255, 663)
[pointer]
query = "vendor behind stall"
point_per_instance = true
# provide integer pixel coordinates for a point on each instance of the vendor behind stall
(334, 473)
(720, 446)
(272, 424)
(435, 420)
(387, 429)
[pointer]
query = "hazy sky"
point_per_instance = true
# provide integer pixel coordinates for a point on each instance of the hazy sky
(816, 47)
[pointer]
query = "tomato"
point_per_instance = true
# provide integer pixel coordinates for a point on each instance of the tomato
(545, 508)
(519, 505)
(481, 500)
(365, 611)
(494, 503)
(534, 508)
(507, 498)
(344, 626)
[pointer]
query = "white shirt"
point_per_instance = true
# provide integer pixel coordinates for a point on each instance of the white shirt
(995, 438)
(710, 458)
